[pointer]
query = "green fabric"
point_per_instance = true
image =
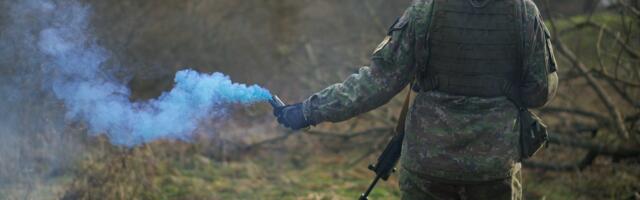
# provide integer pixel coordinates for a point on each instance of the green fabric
(390, 71)
(456, 137)
(539, 60)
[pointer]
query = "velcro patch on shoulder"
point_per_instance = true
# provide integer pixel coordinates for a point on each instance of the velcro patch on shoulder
(399, 24)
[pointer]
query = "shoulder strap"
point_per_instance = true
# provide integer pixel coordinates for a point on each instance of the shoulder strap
(403, 113)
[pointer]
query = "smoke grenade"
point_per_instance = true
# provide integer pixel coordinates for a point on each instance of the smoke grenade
(276, 102)
(61, 45)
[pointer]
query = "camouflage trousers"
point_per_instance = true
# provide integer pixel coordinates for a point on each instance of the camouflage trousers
(427, 188)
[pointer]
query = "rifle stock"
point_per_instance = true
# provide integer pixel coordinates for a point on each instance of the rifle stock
(391, 154)
(386, 163)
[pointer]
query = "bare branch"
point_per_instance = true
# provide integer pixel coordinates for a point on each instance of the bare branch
(601, 149)
(602, 74)
(594, 150)
(628, 49)
(579, 166)
(630, 8)
(599, 51)
(614, 113)
(575, 111)
(624, 94)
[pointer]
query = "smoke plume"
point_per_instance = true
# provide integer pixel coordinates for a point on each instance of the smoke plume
(57, 36)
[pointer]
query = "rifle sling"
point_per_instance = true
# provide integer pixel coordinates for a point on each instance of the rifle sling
(403, 114)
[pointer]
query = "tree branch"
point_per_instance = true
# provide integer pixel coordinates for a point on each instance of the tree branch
(615, 114)
(630, 8)
(578, 166)
(630, 50)
(575, 111)
(594, 150)
(601, 149)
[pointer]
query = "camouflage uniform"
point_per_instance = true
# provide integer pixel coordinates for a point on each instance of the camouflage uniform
(455, 146)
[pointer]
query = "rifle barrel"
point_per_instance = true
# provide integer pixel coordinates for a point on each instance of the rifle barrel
(365, 196)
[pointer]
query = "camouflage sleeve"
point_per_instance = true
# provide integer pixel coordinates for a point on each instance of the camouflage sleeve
(540, 80)
(392, 68)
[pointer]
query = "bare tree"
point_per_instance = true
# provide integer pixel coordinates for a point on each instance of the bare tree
(610, 119)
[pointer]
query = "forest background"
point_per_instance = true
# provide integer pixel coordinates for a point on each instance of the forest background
(294, 48)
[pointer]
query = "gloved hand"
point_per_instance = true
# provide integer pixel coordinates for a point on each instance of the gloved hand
(291, 116)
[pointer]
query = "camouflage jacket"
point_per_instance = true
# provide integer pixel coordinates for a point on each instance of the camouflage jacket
(450, 137)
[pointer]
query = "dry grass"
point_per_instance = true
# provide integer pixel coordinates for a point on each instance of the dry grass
(293, 47)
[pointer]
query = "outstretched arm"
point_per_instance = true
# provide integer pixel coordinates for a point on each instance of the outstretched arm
(392, 68)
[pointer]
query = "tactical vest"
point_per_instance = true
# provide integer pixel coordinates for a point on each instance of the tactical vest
(474, 50)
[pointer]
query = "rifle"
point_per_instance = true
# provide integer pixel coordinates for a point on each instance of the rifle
(391, 154)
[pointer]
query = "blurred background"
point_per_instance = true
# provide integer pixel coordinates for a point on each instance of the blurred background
(294, 48)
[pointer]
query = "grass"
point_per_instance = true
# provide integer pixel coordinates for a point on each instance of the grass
(175, 170)
(184, 171)
(604, 180)
(151, 173)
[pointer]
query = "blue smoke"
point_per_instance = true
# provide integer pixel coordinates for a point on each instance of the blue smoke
(73, 63)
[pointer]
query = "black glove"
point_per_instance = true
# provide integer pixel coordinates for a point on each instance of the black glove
(291, 116)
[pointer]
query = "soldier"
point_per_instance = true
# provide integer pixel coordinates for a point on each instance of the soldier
(469, 59)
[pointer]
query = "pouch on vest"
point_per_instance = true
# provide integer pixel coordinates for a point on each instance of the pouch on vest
(533, 133)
